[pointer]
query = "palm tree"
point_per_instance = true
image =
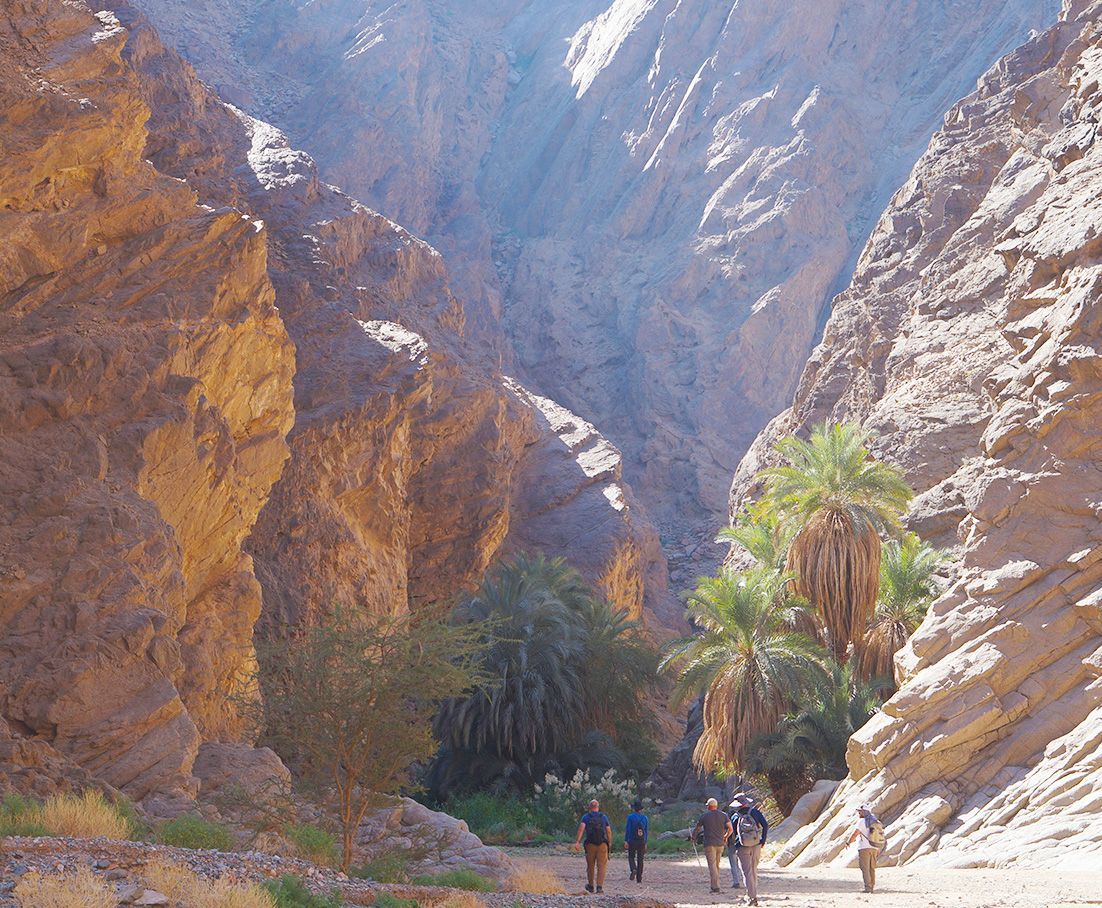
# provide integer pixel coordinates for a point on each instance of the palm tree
(811, 744)
(839, 500)
(572, 676)
(907, 587)
(749, 661)
(761, 532)
(536, 655)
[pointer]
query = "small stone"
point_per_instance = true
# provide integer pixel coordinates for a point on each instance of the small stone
(117, 874)
(151, 897)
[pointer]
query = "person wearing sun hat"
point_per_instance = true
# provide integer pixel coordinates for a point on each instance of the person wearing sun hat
(866, 850)
(751, 829)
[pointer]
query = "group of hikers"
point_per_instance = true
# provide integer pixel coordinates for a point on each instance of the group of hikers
(741, 831)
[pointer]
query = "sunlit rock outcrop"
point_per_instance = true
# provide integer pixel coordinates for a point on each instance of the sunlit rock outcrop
(969, 340)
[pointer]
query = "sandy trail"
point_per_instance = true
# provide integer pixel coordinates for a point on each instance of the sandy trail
(683, 882)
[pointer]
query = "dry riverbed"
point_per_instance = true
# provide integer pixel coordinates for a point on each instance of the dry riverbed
(684, 882)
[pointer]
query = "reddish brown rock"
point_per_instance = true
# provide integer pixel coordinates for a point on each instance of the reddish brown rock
(146, 393)
(160, 247)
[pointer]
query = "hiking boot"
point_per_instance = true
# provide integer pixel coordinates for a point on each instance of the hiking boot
(736, 885)
(715, 890)
(631, 874)
(600, 889)
(588, 887)
(639, 878)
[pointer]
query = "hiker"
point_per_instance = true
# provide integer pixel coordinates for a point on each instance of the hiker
(598, 842)
(635, 840)
(732, 849)
(866, 851)
(717, 830)
(750, 831)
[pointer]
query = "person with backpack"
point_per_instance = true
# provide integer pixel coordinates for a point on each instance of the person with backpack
(597, 831)
(717, 830)
(750, 832)
(732, 849)
(635, 840)
(868, 832)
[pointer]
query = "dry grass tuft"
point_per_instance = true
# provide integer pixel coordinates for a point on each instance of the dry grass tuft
(82, 889)
(460, 900)
(186, 888)
(173, 879)
(535, 880)
(225, 894)
(83, 816)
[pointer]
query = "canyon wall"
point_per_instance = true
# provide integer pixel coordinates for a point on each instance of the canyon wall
(970, 340)
(658, 199)
(231, 394)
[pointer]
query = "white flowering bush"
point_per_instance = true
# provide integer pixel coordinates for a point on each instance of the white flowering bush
(563, 802)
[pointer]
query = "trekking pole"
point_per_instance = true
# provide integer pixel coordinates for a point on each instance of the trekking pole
(697, 853)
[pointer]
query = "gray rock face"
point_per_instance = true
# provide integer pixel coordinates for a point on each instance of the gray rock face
(970, 340)
(657, 198)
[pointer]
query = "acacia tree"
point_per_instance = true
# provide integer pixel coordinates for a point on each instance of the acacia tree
(349, 704)
(749, 660)
(840, 500)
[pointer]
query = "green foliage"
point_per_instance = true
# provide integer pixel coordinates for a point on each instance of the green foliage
(392, 867)
(562, 802)
(907, 587)
(572, 673)
(497, 819)
(833, 471)
(462, 878)
(194, 832)
(350, 703)
(389, 900)
(290, 892)
(749, 659)
(20, 816)
(811, 744)
(761, 532)
(140, 829)
(312, 843)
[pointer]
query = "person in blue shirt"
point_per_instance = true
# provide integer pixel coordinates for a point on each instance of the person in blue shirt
(597, 830)
(635, 840)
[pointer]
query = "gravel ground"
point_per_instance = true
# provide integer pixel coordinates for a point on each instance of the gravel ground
(121, 862)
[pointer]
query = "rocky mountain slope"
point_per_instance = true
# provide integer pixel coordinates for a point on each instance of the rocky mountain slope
(659, 198)
(225, 384)
(970, 340)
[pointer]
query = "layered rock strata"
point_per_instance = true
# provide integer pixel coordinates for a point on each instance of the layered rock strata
(970, 341)
(216, 369)
(659, 198)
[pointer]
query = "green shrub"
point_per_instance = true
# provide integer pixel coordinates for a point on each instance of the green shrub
(194, 832)
(312, 843)
(20, 816)
(392, 867)
(290, 892)
(461, 878)
(498, 819)
(140, 830)
(389, 900)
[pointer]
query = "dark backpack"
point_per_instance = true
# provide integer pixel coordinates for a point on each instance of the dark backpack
(595, 829)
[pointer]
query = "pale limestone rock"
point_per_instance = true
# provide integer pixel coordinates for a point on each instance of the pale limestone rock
(969, 340)
(429, 839)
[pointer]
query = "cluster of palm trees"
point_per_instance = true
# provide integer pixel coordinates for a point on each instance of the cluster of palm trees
(793, 653)
(572, 679)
